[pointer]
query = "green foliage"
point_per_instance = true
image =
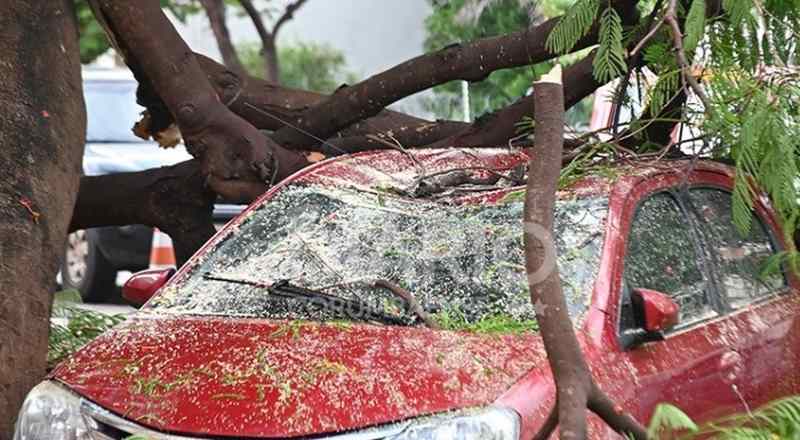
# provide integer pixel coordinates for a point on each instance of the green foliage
(609, 62)
(753, 117)
(308, 66)
(668, 420)
(93, 41)
(81, 326)
(592, 161)
(448, 25)
(665, 88)
(779, 419)
(573, 26)
(455, 320)
(695, 25)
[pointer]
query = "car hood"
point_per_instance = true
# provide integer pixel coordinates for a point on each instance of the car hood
(257, 378)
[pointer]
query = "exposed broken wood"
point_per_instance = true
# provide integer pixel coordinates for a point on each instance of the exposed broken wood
(575, 388)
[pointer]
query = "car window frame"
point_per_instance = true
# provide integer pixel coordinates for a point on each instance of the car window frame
(775, 242)
(677, 193)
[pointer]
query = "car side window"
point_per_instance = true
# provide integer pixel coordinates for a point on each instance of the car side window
(740, 259)
(662, 256)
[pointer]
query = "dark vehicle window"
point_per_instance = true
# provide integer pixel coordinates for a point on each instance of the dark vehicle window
(740, 259)
(662, 256)
(463, 259)
(111, 111)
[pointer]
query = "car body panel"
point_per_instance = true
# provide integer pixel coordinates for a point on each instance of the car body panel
(258, 378)
(700, 369)
(716, 367)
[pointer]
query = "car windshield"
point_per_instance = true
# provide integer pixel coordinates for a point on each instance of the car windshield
(463, 262)
(111, 111)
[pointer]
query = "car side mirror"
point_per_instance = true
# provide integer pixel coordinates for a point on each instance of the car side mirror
(143, 285)
(658, 311)
(655, 313)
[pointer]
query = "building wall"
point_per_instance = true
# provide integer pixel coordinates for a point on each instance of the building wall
(373, 34)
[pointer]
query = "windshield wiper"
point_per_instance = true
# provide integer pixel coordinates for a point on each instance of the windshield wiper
(353, 308)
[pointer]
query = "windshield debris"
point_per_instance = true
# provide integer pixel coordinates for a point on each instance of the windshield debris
(464, 263)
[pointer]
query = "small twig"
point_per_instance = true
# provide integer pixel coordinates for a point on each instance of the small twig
(412, 302)
(670, 17)
(647, 38)
(399, 147)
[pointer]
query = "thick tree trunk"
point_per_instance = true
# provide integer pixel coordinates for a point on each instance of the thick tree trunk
(575, 388)
(215, 10)
(42, 131)
(173, 199)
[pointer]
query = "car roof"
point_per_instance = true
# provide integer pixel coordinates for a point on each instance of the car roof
(382, 169)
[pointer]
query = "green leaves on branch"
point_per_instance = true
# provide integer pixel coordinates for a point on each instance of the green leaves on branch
(609, 62)
(695, 25)
(575, 24)
(666, 88)
(779, 419)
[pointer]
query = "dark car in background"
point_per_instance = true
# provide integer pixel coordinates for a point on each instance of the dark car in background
(93, 257)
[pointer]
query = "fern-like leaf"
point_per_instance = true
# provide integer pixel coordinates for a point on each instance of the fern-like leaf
(669, 419)
(662, 92)
(695, 25)
(574, 25)
(609, 62)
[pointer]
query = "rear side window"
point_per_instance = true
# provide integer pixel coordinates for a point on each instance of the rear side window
(740, 259)
(662, 256)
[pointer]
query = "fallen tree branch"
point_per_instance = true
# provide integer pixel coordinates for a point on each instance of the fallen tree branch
(174, 199)
(575, 389)
(496, 128)
(472, 61)
(671, 18)
(413, 305)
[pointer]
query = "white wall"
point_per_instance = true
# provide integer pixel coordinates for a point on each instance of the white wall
(372, 34)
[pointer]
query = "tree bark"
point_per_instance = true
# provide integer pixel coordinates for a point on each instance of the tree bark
(268, 47)
(234, 154)
(42, 131)
(270, 107)
(495, 129)
(173, 199)
(215, 11)
(575, 388)
(472, 61)
(269, 40)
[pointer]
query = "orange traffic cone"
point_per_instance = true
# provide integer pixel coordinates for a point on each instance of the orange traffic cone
(162, 255)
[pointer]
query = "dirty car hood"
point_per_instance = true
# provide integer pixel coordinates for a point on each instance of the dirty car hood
(257, 378)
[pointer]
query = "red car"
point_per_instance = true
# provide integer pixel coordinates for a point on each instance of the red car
(283, 326)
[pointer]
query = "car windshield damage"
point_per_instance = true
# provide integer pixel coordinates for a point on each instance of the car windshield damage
(463, 263)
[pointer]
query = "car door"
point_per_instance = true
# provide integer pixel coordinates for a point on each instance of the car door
(762, 307)
(693, 366)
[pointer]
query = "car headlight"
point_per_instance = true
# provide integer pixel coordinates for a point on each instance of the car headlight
(51, 412)
(488, 424)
